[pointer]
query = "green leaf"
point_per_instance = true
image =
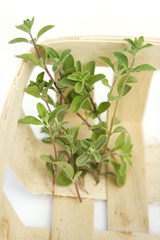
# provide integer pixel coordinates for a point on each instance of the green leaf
(112, 98)
(44, 29)
(130, 42)
(144, 67)
(132, 79)
(61, 156)
(126, 88)
(82, 159)
(65, 54)
(85, 75)
(119, 129)
(54, 113)
(18, 40)
(49, 168)
(90, 67)
(62, 180)
(33, 90)
(103, 107)
(105, 82)
(108, 173)
(123, 168)
(147, 45)
(116, 121)
(66, 82)
(68, 63)
(87, 105)
(77, 103)
(121, 180)
(122, 59)
(85, 144)
(79, 67)
(97, 156)
(41, 109)
(95, 78)
(77, 175)
(79, 87)
(67, 169)
(30, 120)
(74, 77)
(29, 57)
(47, 158)
(108, 61)
(100, 142)
(120, 140)
(39, 78)
(23, 28)
(52, 53)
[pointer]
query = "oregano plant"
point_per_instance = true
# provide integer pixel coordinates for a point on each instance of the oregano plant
(74, 89)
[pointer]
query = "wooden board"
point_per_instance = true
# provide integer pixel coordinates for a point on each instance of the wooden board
(127, 207)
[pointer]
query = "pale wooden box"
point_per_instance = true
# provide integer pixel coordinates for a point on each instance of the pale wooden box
(127, 206)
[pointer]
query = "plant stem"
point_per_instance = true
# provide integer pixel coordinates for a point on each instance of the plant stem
(75, 184)
(92, 102)
(116, 106)
(114, 83)
(60, 74)
(58, 89)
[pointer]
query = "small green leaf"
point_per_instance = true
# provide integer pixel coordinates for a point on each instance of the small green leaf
(132, 79)
(147, 45)
(68, 63)
(18, 40)
(103, 107)
(122, 59)
(112, 98)
(90, 67)
(44, 29)
(123, 168)
(95, 78)
(54, 113)
(41, 109)
(100, 142)
(66, 82)
(82, 159)
(79, 87)
(79, 67)
(62, 180)
(97, 156)
(120, 141)
(74, 77)
(105, 82)
(126, 88)
(65, 54)
(47, 158)
(144, 67)
(49, 168)
(85, 144)
(108, 61)
(33, 90)
(62, 143)
(116, 121)
(77, 175)
(77, 103)
(61, 156)
(121, 180)
(30, 120)
(29, 57)
(67, 169)
(130, 42)
(119, 129)
(23, 28)
(40, 77)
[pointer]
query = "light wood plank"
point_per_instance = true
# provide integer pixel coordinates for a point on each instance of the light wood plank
(72, 220)
(109, 235)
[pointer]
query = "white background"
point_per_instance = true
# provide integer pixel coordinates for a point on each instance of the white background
(103, 17)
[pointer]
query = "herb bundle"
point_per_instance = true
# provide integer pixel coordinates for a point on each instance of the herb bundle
(74, 90)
